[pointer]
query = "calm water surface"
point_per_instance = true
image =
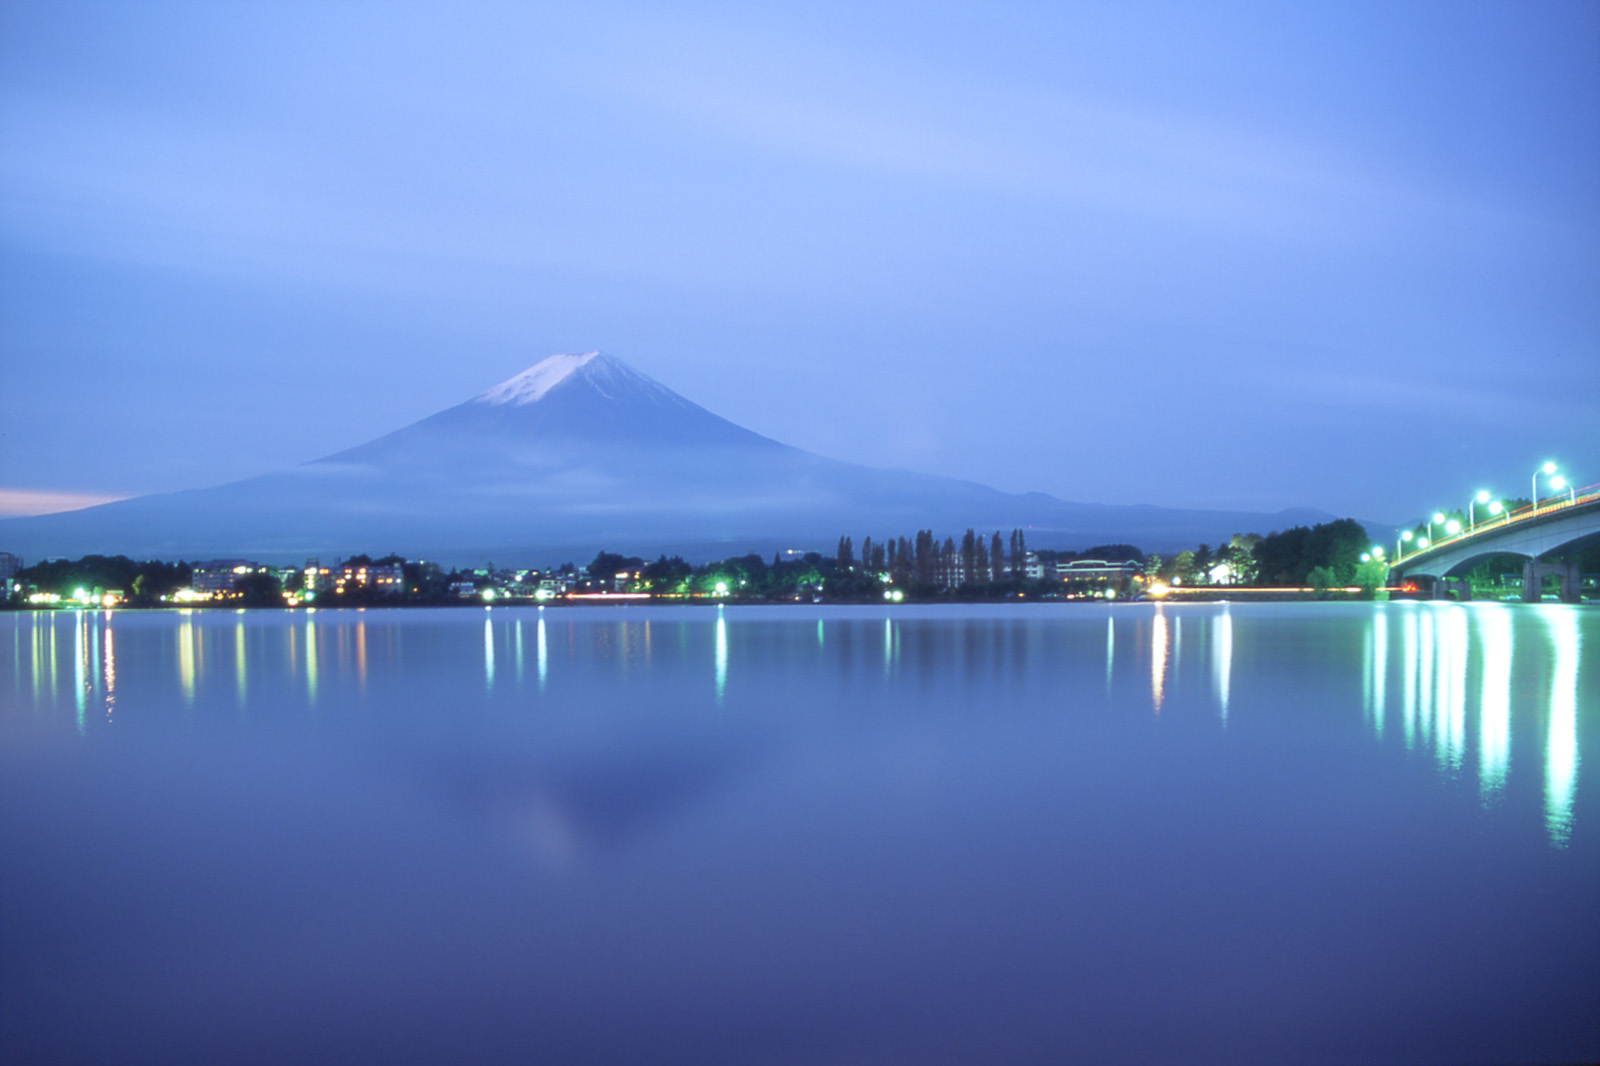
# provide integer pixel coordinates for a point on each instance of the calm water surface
(1201, 833)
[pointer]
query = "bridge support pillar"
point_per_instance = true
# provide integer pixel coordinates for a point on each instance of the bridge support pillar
(1461, 586)
(1534, 571)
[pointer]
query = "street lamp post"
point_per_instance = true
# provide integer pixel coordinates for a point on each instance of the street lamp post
(1558, 483)
(1399, 546)
(1438, 516)
(1547, 469)
(1472, 508)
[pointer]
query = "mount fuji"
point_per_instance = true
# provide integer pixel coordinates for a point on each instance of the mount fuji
(579, 453)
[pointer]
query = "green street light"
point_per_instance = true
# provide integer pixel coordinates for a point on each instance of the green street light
(1452, 527)
(1547, 469)
(1472, 507)
(1406, 537)
(1438, 516)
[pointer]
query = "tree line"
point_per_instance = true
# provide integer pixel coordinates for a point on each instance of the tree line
(921, 565)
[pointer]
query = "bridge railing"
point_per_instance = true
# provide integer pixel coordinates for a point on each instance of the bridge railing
(1537, 509)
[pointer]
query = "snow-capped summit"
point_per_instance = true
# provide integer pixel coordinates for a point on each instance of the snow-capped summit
(532, 384)
(576, 453)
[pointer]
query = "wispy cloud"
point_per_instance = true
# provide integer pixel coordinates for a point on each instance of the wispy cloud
(19, 503)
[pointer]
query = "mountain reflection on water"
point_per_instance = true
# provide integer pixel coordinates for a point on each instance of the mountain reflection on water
(1310, 832)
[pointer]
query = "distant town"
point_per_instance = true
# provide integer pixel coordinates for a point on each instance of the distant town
(1334, 559)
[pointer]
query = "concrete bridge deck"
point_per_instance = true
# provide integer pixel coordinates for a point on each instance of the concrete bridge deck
(1545, 535)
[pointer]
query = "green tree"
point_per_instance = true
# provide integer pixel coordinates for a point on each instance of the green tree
(259, 590)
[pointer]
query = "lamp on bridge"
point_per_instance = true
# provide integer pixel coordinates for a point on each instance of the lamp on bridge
(1438, 516)
(1472, 508)
(1452, 527)
(1406, 537)
(1558, 483)
(1547, 469)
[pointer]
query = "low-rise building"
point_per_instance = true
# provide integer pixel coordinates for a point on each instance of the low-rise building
(381, 579)
(216, 577)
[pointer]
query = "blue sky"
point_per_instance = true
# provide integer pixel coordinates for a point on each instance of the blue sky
(1243, 255)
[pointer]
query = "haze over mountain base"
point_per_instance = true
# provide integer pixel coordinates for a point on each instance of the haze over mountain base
(579, 453)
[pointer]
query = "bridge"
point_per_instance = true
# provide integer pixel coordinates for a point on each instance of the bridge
(1541, 534)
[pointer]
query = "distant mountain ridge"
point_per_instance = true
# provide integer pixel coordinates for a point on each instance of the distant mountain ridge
(581, 452)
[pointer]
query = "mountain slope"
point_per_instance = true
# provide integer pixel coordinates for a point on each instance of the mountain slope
(578, 453)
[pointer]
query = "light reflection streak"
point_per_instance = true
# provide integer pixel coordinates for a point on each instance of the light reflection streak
(544, 655)
(1452, 709)
(186, 657)
(1425, 675)
(517, 638)
(361, 654)
(79, 662)
(1561, 751)
(110, 673)
(1380, 670)
(239, 658)
(1222, 658)
(888, 646)
(722, 654)
(1111, 647)
(488, 652)
(37, 647)
(1408, 677)
(311, 657)
(1494, 705)
(1158, 659)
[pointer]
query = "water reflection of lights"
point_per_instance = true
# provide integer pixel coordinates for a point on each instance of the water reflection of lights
(1453, 650)
(361, 654)
(80, 660)
(544, 653)
(186, 657)
(1158, 658)
(239, 658)
(1111, 647)
(110, 673)
(1561, 754)
(1375, 681)
(1494, 705)
(722, 654)
(488, 652)
(1222, 658)
(1440, 648)
(311, 657)
(516, 642)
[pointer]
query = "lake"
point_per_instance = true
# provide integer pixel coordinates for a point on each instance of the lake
(1202, 833)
